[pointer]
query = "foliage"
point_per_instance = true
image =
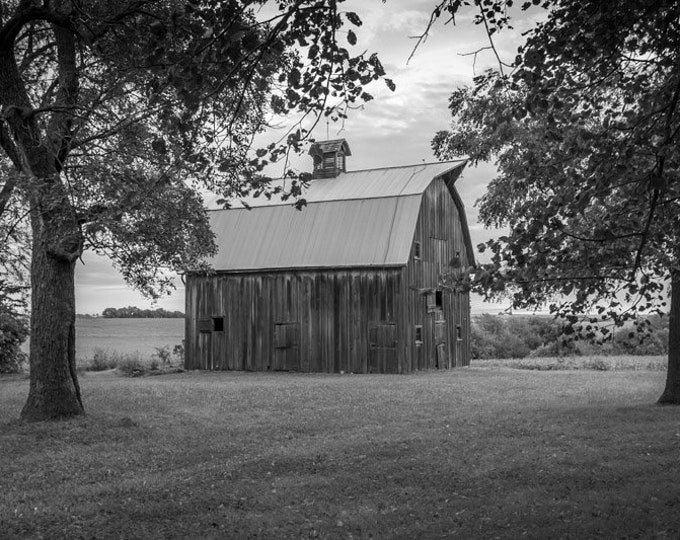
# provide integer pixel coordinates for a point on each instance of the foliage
(584, 130)
(13, 332)
(497, 336)
(584, 133)
(133, 312)
(536, 336)
(102, 360)
(131, 365)
(138, 103)
(13, 327)
(114, 115)
(591, 362)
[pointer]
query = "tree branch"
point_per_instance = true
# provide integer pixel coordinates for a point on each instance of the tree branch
(59, 130)
(25, 13)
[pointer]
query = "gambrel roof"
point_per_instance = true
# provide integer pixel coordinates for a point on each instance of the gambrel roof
(358, 219)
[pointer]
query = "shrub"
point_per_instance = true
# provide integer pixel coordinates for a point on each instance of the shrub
(628, 341)
(131, 365)
(496, 336)
(501, 337)
(102, 360)
(178, 353)
(13, 332)
(163, 355)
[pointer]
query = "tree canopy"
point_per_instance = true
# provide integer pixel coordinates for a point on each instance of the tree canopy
(133, 312)
(583, 125)
(115, 114)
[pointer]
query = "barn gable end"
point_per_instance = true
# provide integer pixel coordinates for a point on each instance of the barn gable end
(337, 287)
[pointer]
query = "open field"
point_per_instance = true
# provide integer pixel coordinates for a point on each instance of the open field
(470, 453)
(125, 336)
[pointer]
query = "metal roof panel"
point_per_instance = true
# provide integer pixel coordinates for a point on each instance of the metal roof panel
(371, 232)
(360, 218)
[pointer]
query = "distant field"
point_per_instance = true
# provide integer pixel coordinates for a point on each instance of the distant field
(127, 335)
(467, 453)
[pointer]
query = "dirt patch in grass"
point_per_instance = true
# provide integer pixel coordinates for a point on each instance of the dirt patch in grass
(474, 453)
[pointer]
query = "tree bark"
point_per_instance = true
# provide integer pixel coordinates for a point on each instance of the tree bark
(54, 390)
(671, 394)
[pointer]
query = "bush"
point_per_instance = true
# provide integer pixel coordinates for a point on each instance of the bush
(131, 365)
(502, 336)
(13, 332)
(162, 355)
(178, 353)
(627, 341)
(102, 360)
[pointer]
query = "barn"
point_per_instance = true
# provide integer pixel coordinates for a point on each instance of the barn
(348, 284)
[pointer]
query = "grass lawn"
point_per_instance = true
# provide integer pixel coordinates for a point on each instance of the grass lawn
(471, 453)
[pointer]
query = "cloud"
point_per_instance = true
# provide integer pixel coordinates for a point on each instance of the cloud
(99, 285)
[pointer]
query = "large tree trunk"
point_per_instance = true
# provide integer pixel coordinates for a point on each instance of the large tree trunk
(54, 391)
(671, 394)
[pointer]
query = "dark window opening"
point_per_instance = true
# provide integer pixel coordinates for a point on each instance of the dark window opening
(416, 250)
(419, 334)
(459, 332)
(218, 324)
(439, 299)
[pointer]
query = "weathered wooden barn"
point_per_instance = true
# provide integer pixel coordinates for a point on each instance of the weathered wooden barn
(337, 286)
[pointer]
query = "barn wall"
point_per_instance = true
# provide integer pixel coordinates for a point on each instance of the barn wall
(440, 233)
(314, 321)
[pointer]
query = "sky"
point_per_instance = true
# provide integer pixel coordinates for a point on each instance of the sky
(394, 129)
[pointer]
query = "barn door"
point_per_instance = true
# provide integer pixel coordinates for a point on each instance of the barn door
(441, 345)
(440, 358)
(382, 348)
(205, 352)
(286, 347)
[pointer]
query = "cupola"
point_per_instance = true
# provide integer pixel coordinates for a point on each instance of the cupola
(329, 157)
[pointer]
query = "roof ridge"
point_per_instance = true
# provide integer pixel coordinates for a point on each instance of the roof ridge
(308, 203)
(452, 161)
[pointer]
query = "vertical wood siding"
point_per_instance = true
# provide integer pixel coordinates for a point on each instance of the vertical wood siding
(316, 321)
(440, 233)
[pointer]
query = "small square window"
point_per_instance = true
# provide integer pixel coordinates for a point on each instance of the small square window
(218, 324)
(419, 334)
(459, 332)
(439, 299)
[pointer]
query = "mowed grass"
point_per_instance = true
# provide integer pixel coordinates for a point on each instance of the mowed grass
(469, 453)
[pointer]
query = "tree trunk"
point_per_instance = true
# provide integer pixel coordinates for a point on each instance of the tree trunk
(671, 394)
(54, 391)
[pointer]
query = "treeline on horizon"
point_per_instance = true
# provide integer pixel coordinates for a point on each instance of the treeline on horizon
(521, 336)
(133, 312)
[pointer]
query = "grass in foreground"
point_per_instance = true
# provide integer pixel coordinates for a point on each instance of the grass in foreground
(473, 453)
